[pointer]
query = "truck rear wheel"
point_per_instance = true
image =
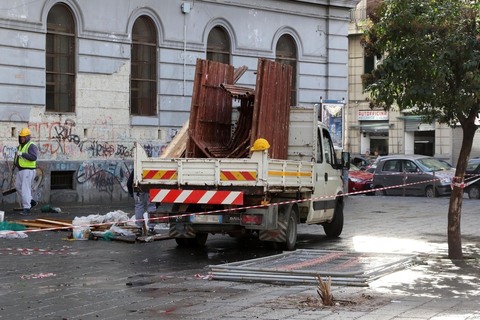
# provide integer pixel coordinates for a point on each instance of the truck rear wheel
(334, 228)
(285, 237)
(199, 241)
(182, 242)
(291, 232)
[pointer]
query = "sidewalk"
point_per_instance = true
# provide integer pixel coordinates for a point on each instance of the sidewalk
(45, 276)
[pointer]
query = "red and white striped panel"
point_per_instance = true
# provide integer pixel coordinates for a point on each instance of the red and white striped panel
(196, 196)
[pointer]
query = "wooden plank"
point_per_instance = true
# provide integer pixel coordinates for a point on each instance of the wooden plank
(54, 222)
(239, 73)
(178, 145)
(57, 219)
(36, 224)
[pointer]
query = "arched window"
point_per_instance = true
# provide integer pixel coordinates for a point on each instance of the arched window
(60, 60)
(286, 53)
(143, 76)
(218, 46)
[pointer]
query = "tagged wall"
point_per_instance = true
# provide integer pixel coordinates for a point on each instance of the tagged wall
(100, 176)
(93, 181)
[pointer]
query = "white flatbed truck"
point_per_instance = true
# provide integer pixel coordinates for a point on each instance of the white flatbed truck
(255, 196)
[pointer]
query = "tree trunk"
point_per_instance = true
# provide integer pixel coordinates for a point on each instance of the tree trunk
(456, 198)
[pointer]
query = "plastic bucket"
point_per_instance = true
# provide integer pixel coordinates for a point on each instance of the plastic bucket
(81, 232)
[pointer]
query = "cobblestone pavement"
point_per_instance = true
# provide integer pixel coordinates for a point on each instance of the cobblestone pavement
(48, 276)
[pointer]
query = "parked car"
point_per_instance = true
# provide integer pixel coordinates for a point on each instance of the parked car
(359, 180)
(374, 162)
(370, 169)
(413, 175)
(472, 174)
(360, 162)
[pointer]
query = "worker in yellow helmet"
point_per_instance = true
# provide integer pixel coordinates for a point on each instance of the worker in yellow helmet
(26, 163)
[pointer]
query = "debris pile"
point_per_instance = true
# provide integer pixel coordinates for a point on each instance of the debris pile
(12, 230)
(115, 225)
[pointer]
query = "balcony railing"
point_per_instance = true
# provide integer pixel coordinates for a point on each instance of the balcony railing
(357, 15)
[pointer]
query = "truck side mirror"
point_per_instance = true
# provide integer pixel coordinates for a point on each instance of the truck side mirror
(346, 160)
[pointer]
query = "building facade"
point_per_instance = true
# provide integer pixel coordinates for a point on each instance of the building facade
(91, 78)
(389, 131)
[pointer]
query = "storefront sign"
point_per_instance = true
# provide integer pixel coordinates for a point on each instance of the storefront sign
(372, 115)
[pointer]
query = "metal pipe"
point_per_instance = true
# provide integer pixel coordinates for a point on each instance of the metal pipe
(272, 278)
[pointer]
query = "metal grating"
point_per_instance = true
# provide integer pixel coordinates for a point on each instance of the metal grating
(303, 266)
(61, 180)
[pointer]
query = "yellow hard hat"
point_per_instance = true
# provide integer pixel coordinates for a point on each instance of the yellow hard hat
(25, 132)
(260, 145)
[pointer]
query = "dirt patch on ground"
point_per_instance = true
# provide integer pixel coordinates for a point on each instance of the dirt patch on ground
(360, 302)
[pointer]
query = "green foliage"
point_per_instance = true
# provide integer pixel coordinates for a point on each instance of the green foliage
(430, 58)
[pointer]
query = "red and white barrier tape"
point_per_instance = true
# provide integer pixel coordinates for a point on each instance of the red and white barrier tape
(167, 218)
(34, 251)
(462, 184)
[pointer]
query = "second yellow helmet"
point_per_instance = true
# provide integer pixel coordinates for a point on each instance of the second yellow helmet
(260, 144)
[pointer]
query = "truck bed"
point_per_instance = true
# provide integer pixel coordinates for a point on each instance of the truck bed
(258, 171)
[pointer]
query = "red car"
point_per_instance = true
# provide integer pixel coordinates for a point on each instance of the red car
(360, 180)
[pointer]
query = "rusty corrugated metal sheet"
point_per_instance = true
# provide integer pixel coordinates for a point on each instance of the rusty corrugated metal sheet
(271, 113)
(211, 109)
(263, 112)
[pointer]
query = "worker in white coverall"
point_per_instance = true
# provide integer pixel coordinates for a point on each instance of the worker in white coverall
(26, 163)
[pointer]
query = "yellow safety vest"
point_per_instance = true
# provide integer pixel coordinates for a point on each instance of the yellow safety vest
(24, 163)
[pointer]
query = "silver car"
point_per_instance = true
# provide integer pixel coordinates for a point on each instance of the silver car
(413, 175)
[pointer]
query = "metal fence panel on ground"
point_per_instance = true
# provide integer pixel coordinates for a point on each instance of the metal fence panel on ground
(303, 266)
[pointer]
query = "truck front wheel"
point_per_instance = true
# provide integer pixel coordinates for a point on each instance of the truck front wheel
(334, 228)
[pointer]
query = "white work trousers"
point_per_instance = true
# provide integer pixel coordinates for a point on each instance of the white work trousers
(23, 183)
(142, 205)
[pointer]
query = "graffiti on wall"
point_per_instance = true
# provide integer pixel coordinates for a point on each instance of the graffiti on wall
(57, 140)
(6, 176)
(104, 175)
(153, 151)
(62, 141)
(99, 157)
(8, 152)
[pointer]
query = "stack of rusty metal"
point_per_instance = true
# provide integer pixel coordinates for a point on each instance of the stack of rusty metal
(263, 111)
